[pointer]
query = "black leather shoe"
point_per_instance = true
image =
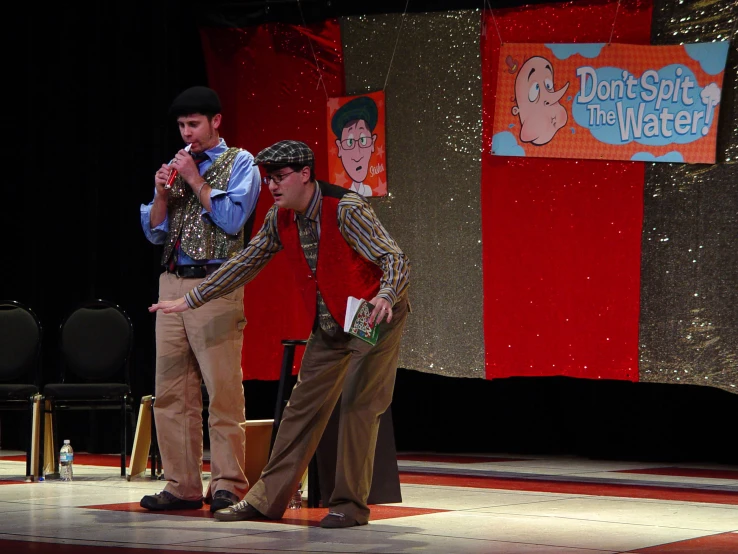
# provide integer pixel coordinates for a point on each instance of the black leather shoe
(222, 499)
(167, 501)
(239, 512)
(337, 520)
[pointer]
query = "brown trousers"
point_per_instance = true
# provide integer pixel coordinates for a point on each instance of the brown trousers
(194, 346)
(364, 377)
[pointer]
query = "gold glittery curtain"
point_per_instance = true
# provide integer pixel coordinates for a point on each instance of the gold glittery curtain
(689, 278)
(433, 108)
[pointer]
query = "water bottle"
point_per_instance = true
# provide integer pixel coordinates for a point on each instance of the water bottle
(66, 461)
(296, 500)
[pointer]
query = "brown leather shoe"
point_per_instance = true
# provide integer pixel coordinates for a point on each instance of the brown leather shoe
(167, 501)
(242, 511)
(337, 520)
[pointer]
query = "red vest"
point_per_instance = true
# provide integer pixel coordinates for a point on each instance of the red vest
(341, 272)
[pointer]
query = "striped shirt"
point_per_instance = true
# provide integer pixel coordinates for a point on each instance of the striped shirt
(358, 225)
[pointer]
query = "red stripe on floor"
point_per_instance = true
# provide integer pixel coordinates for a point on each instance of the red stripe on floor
(305, 516)
(594, 489)
(686, 472)
(724, 543)
(453, 459)
(136, 507)
(312, 516)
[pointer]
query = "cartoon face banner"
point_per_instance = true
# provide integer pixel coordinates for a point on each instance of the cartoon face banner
(609, 101)
(356, 147)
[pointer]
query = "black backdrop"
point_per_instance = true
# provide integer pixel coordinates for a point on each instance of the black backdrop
(86, 95)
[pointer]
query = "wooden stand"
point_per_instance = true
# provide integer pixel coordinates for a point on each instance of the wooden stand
(36, 418)
(141, 440)
(49, 452)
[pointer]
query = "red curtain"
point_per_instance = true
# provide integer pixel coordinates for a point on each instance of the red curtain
(561, 238)
(271, 89)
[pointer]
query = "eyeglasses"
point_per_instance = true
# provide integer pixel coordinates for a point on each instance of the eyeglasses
(350, 143)
(277, 178)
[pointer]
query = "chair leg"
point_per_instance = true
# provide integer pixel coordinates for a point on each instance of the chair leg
(42, 440)
(55, 432)
(283, 390)
(123, 436)
(29, 442)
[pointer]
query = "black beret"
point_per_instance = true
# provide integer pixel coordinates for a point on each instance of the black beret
(361, 107)
(202, 100)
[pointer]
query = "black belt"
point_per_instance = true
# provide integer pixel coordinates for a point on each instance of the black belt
(194, 271)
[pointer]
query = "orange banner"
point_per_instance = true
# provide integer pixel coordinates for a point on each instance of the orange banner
(356, 144)
(609, 101)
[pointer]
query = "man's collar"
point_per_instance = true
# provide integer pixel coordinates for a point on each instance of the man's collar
(216, 150)
(312, 212)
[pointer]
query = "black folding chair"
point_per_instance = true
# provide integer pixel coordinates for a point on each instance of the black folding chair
(95, 344)
(20, 363)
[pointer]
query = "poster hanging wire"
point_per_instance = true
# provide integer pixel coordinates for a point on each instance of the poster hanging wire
(612, 32)
(399, 31)
(732, 31)
(310, 42)
(489, 7)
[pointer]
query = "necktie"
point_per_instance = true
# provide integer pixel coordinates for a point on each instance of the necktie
(309, 241)
(199, 158)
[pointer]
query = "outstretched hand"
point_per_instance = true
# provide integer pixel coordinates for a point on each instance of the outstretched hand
(170, 306)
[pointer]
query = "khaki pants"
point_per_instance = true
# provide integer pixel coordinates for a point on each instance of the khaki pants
(364, 377)
(202, 344)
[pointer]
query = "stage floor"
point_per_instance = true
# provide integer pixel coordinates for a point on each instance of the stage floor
(451, 504)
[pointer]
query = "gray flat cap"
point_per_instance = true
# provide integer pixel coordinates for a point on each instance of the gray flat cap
(286, 152)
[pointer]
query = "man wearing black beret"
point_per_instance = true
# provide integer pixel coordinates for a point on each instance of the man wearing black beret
(202, 200)
(337, 248)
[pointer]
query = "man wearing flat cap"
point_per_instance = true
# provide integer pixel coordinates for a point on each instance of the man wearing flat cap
(337, 248)
(353, 124)
(202, 201)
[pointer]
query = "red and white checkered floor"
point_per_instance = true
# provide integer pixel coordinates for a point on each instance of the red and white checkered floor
(451, 504)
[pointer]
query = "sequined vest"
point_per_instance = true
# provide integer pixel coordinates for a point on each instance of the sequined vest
(340, 271)
(201, 239)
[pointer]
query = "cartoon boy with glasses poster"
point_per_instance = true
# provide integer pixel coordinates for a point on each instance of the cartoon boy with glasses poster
(356, 143)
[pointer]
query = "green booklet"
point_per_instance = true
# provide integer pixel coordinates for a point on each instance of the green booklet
(358, 311)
